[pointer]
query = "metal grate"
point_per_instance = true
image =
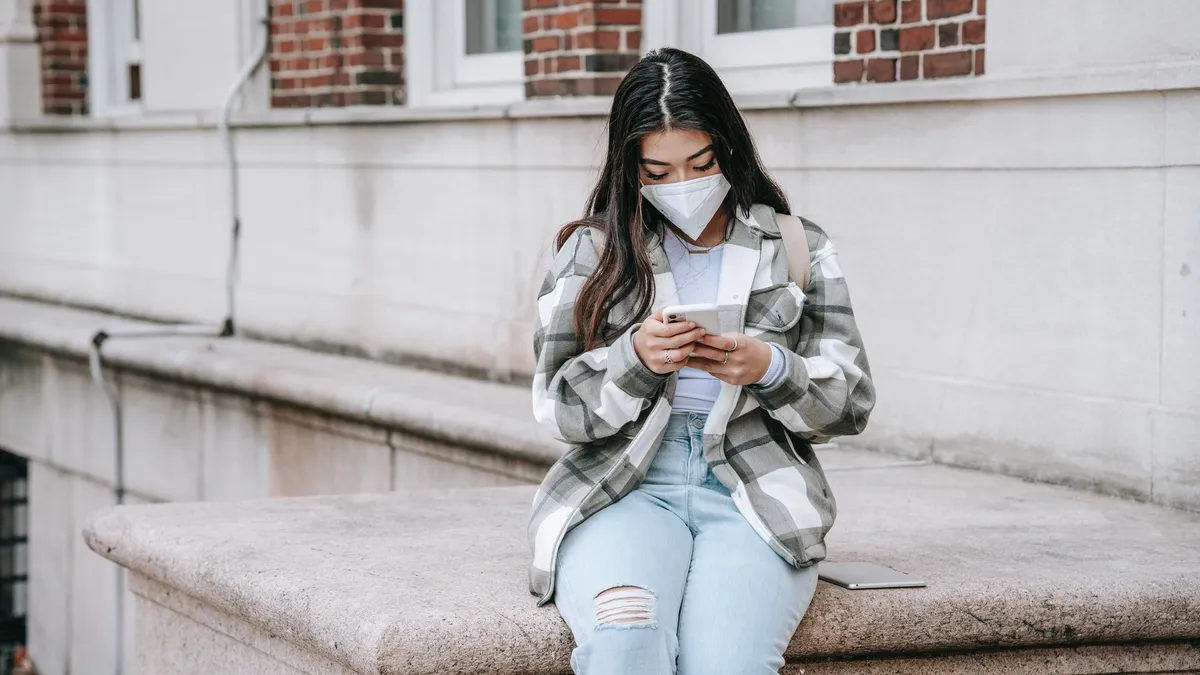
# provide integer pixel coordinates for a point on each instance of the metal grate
(14, 555)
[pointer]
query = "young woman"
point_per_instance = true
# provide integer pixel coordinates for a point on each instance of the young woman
(680, 532)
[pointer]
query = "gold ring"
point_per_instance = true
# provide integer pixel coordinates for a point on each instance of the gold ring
(726, 359)
(735, 345)
(667, 356)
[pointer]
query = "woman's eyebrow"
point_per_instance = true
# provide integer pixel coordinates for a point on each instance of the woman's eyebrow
(647, 160)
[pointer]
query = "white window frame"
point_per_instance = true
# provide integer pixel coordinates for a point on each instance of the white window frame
(762, 61)
(439, 72)
(111, 46)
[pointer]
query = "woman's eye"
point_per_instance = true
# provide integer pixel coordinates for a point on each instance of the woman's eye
(711, 163)
(655, 176)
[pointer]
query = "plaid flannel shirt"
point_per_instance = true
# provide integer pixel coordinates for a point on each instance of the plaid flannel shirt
(613, 410)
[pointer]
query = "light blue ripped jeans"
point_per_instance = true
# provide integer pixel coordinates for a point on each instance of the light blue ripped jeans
(672, 578)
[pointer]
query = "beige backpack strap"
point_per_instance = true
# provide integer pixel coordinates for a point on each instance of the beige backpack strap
(795, 245)
(597, 240)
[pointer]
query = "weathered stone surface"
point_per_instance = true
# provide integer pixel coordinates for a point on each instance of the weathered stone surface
(1146, 658)
(434, 582)
(468, 413)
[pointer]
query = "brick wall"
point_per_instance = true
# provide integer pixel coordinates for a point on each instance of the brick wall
(579, 47)
(63, 45)
(890, 40)
(337, 53)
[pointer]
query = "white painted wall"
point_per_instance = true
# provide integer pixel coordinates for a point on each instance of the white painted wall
(1025, 271)
(1035, 36)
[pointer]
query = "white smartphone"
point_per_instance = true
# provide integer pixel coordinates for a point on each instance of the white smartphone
(705, 316)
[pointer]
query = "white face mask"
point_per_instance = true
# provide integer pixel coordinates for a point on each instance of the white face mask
(690, 205)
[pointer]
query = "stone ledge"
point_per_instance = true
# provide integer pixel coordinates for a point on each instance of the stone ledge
(463, 412)
(434, 582)
(1119, 80)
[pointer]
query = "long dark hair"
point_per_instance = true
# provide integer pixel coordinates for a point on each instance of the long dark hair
(667, 89)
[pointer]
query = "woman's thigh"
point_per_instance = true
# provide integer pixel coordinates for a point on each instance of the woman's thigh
(742, 602)
(636, 544)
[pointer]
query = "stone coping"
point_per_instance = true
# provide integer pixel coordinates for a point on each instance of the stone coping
(1162, 76)
(487, 416)
(434, 581)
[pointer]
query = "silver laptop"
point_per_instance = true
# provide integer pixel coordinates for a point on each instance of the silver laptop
(864, 575)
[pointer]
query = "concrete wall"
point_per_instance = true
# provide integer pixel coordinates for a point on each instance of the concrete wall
(1072, 36)
(181, 444)
(1022, 268)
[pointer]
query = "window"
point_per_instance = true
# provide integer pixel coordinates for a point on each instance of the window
(115, 56)
(464, 52)
(756, 45)
(493, 26)
(14, 566)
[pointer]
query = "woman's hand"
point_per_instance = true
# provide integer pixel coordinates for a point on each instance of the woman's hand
(732, 358)
(665, 347)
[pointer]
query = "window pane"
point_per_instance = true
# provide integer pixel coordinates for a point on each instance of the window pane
(739, 16)
(493, 26)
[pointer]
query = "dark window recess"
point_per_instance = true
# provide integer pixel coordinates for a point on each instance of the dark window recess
(135, 82)
(14, 556)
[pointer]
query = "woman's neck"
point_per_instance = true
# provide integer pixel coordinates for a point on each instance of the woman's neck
(713, 234)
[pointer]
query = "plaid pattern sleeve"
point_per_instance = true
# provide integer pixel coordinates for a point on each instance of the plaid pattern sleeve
(583, 396)
(827, 391)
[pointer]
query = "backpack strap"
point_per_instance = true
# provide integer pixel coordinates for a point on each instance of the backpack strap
(597, 240)
(795, 245)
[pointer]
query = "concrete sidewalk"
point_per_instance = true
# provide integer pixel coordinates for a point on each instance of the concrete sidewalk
(1022, 578)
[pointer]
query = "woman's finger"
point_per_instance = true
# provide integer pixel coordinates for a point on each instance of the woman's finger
(710, 353)
(722, 342)
(677, 341)
(672, 329)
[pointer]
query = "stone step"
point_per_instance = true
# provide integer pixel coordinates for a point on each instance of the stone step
(1022, 577)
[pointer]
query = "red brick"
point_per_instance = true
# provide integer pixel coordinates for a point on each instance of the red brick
(883, 11)
(547, 43)
(633, 40)
(940, 9)
(533, 67)
(619, 17)
(981, 7)
(564, 64)
(314, 6)
(531, 24)
(849, 13)
(881, 70)
(566, 20)
(848, 71)
(979, 62)
(376, 40)
(948, 34)
(974, 32)
(597, 86)
(543, 87)
(540, 4)
(910, 67)
(865, 40)
(910, 11)
(916, 38)
(373, 58)
(950, 64)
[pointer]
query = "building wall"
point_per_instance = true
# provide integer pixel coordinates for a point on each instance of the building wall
(63, 49)
(181, 443)
(1025, 304)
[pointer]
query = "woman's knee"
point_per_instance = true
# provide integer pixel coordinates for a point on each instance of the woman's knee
(626, 636)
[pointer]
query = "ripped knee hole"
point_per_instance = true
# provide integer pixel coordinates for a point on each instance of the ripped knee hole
(626, 606)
